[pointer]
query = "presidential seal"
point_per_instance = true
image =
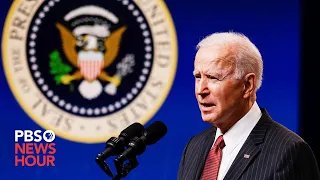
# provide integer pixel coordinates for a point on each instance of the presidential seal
(88, 69)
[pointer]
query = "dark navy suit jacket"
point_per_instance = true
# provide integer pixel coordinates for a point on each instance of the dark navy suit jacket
(276, 153)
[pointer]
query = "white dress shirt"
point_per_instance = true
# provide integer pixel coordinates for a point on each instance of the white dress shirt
(235, 137)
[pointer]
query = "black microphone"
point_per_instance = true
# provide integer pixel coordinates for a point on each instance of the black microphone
(115, 145)
(137, 146)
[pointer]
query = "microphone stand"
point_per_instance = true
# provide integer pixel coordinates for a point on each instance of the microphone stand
(123, 170)
(104, 166)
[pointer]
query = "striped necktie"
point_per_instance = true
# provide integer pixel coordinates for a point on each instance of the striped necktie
(213, 160)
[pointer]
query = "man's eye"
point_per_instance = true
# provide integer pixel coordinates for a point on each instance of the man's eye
(211, 77)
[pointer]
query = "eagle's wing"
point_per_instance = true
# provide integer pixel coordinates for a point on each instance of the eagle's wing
(112, 44)
(68, 44)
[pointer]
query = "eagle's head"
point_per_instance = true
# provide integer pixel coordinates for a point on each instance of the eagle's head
(89, 42)
(91, 37)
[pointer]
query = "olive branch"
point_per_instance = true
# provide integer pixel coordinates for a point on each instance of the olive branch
(57, 67)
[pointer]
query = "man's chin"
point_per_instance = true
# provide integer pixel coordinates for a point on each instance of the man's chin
(207, 118)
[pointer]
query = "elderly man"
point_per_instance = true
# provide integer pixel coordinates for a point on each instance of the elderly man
(243, 142)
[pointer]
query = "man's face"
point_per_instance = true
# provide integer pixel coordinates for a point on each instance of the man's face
(218, 93)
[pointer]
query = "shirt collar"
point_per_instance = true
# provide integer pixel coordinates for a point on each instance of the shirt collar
(240, 129)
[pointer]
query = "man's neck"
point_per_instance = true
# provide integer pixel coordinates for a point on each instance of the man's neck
(236, 116)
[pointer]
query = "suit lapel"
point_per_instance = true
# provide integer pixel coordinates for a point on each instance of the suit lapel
(250, 149)
(205, 148)
(248, 153)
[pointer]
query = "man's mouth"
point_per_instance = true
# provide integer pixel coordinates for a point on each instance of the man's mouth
(207, 104)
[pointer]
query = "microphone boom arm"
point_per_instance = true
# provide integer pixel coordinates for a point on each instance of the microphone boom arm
(123, 170)
(104, 166)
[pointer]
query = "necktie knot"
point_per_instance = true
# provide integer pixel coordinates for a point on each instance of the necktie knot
(220, 142)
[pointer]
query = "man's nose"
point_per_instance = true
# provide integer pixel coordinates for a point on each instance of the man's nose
(202, 87)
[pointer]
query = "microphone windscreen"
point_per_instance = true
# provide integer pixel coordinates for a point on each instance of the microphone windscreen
(155, 132)
(135, 129)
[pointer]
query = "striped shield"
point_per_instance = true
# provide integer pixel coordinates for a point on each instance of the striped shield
(90, 64)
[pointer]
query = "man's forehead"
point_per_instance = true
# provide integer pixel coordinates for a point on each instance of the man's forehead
(205, 66)
(220, 62)
(221, 65)
(217, 57)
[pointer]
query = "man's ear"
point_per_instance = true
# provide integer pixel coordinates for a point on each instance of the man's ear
(249, 85)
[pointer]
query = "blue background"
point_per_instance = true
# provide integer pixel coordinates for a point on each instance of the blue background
(273, 25)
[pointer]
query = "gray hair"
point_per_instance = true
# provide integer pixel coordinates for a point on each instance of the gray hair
(247, 56)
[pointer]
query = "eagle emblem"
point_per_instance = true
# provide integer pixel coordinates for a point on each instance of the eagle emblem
(90, 50)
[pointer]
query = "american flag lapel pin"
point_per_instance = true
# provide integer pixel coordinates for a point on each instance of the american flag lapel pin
(246, 156)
